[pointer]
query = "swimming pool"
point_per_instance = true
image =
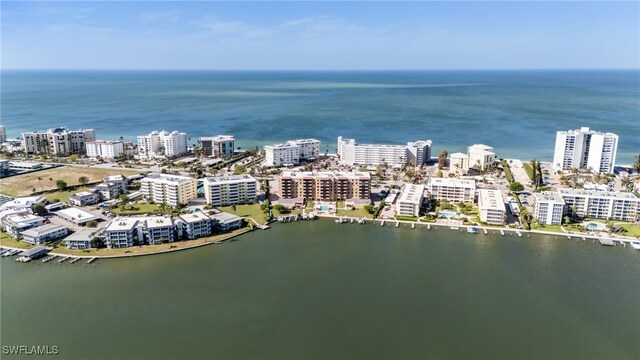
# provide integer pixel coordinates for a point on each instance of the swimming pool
(448, 213)
(595, 226)
(324, 208)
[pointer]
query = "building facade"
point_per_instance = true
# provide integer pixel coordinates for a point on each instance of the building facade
(352, 153)
(168, 189)
(159, 230)
(410, 200)
(325, 186)
(601, 204)
(123, 232)
(161, 144)
(218, 146)
(230, 190)
(491, 207)
(44, 233)
(481, 156)
(585, 148)
(196, 225)
(57, 141)
(548, 208)
(291, 152)
(453, 190)
(105, 149)
(84, 198)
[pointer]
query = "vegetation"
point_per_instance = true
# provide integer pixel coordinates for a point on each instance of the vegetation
(516, 186)
(442, 159)
(39, 209)
(137, 209)
(355, 212)
(636, 164)
(507, 171)
(83, 180)
(406, 218)
(253, 211)
(61, 185)
(528, 168)
(92, 224)
(544, 188)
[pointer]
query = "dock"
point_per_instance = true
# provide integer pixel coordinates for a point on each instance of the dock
(49, 258)
(413, 225)
(606, 242)
(382, 223)
(91, 260)
(519, 233)
(397, 223)
(428, 226)
(62, 259)
(501, 232)
(485, 231)
(73, 260)
(568, 237)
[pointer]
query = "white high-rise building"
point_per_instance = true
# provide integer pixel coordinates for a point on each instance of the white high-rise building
(169, 189)
(105, 149)
(410, 200)
(291, 152)
(352, 153)
(584, 148)
(548, 208)
(163, 143)
(3, 134)
(58, 141)
(230, 190)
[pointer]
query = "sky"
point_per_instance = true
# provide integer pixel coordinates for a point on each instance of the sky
(319, 35)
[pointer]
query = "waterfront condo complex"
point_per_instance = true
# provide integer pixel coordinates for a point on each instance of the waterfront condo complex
(410, 200)
(325, 186)
(168, 189)
(161, 144)
(57, 141)
(230, 190)
(218, 146)
(585, 148)
(548, 208)
(601, 204)
(352, 153)
(291, 152)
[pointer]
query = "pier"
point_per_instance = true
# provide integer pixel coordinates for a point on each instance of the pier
(49, 258)
(485, 231)
(74, 260)
(501, 232)
(62, 259)
(606, 242)
(91, 260)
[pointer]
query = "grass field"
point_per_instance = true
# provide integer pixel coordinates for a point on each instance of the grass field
(252, 211)
(507, 171)
(23, 185)
(6, 240)
(64, 195)
(358, 212)
(528, 168)
(632, 229)
(554, 228)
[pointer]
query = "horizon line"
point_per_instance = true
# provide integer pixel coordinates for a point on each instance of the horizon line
(325, 70)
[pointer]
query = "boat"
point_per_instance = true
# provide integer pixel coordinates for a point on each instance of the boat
(217, 242)
(455, 228)
(472, 230)
(361, 221)
(635, 245)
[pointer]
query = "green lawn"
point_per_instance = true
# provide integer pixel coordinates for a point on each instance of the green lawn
(633, 230)
(64, 195)
(252, 211)
(406, 218)
(528, 168)
(358, 212)
(6, 240)
(554, 228)
(507, 171)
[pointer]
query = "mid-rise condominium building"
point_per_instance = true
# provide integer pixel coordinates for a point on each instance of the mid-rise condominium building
(58, 141)
(230, 190)
(548, 208)
(352, 153)
(219, 145)
(44, 233)
(84, 198)
(491, 206)
(325, 186)
(601, 204)
(584, 148)
(459, 163)
(159, 229)
(195, 225)
(453, 190)
(481, 156)
(163, 143)
(124, 232)
(291, 152)
(168, 189)
(105, 149)
(410, 200)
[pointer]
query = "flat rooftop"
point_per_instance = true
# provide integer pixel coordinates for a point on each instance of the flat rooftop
(225, 217)
(548, 196)
(229, 179)
(195, 217)
(598, 193)
(331, 174)
(123, 224)
(491, 200)
(76, 215)
(218, 138)
(83, 235)
(471, 184)
(158, 222)
(168, 178)
(412, 193)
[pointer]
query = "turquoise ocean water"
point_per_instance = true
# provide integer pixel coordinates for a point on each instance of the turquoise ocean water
(518, 112)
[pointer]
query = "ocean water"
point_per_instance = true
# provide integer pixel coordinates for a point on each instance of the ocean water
(319, 290)
(517, 112)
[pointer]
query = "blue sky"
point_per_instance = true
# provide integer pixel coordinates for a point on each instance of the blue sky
(320, 35)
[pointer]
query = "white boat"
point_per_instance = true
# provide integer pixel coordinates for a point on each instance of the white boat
(635, 245)
(455, 228)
